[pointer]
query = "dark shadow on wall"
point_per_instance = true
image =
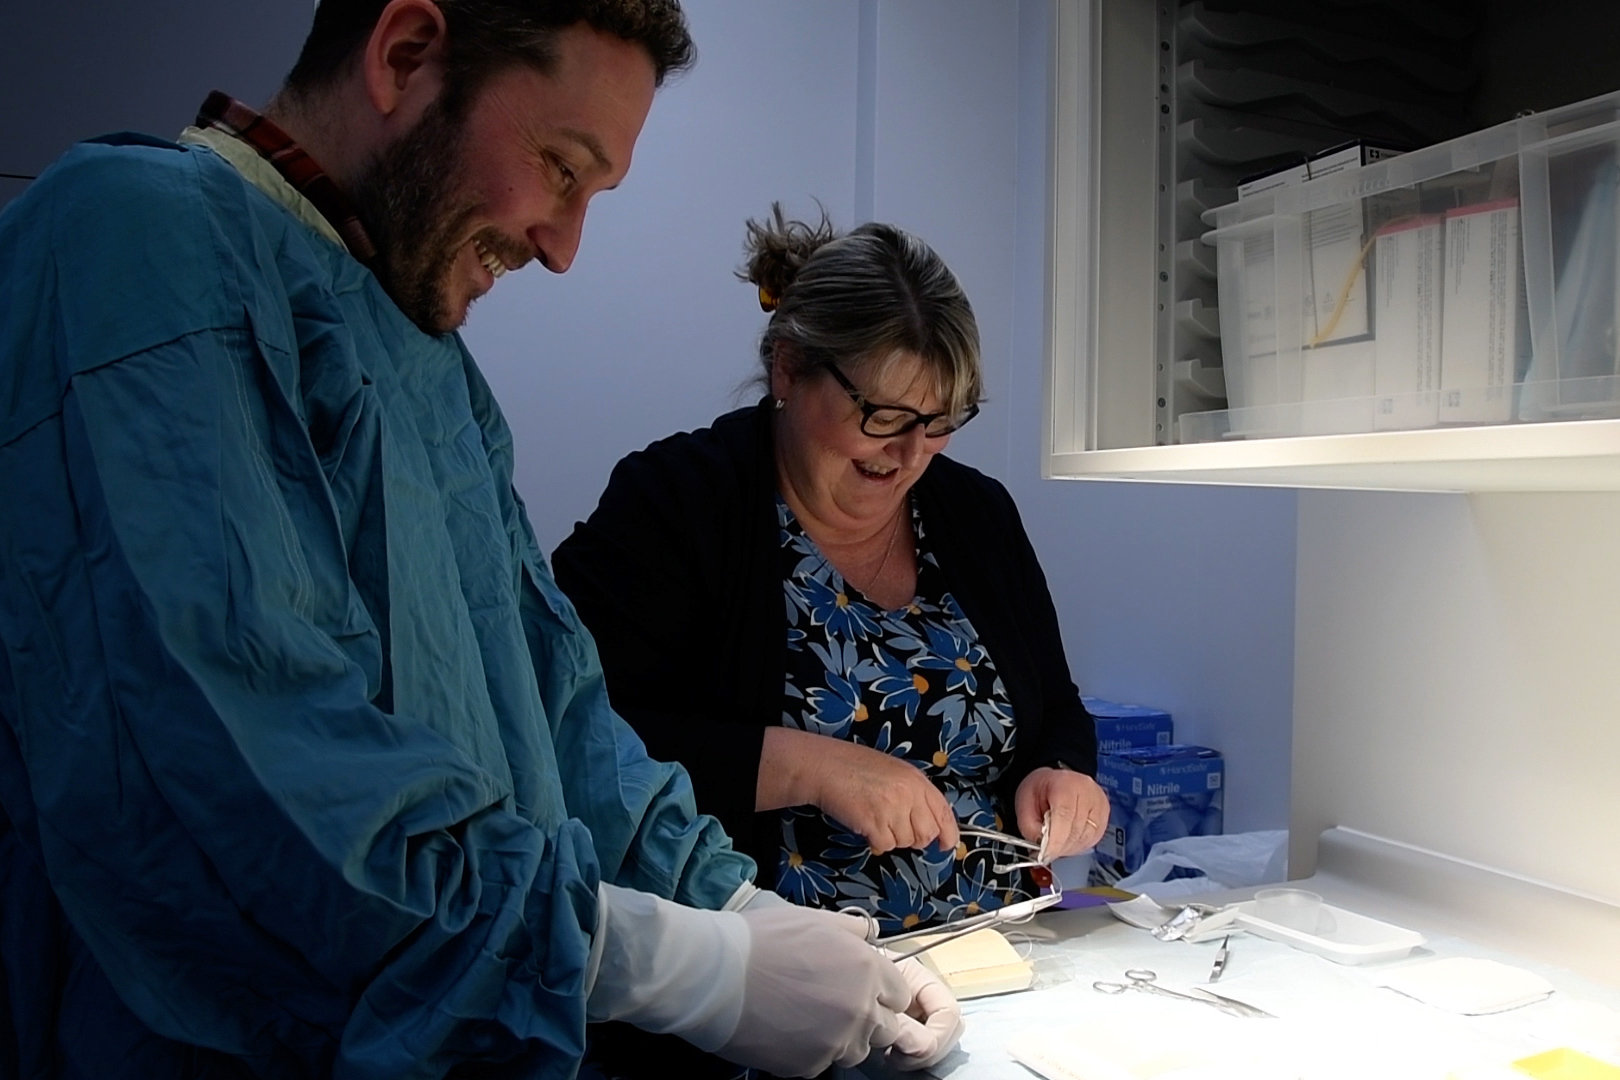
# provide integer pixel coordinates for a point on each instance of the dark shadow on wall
(1539, 56)
(73, 69)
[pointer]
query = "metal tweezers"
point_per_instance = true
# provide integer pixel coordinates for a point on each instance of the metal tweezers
(914, 942)
(939, 935)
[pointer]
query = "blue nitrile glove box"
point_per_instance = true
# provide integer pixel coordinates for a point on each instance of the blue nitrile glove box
(1156, 793)
(1120, 727)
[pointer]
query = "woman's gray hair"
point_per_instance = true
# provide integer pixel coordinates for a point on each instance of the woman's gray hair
(860, 300)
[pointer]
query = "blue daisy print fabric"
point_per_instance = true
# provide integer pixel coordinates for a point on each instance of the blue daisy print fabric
(915, 683)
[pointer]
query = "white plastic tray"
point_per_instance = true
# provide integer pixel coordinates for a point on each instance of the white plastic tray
(1354, 939)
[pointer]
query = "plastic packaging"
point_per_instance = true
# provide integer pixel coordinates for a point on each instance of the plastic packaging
(1194, 864)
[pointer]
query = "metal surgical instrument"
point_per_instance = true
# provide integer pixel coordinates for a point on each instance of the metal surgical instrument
(1145, 981)
(1221, 956)
(914, 942)
(1006, 840)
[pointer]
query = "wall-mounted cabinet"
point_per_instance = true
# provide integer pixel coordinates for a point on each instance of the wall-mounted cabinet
(1441, 320)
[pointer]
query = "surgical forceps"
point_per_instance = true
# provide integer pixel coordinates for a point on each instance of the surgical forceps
(913, 942)
(1007, 840)
(1146, 981)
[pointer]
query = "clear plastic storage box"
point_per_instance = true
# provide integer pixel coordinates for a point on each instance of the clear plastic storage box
(1472, 282)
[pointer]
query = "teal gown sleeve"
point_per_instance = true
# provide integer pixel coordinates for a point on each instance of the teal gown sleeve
(261, 859)
(642, 813)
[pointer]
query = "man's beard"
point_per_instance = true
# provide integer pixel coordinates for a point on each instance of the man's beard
(411, 204)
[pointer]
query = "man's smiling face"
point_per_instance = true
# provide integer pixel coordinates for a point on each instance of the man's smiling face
(459, 201)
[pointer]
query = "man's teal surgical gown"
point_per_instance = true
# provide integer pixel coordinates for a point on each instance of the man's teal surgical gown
(306, 766)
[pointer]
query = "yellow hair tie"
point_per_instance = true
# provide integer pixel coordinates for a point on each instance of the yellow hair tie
(767, 299)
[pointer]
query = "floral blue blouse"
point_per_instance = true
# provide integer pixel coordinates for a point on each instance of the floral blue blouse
(915, 683)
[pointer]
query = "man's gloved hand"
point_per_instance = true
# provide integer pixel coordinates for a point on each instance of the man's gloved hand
(783, 988)
(816, 993)
(933, 1023)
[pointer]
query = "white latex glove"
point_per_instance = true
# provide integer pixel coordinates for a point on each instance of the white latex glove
(817, 993)
(666, 967)
(932, 1025)
(777, 987)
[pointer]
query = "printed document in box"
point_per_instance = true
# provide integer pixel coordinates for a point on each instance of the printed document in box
(1409, 266)
(1336, 294)
(1481, 320)
(1259, 298)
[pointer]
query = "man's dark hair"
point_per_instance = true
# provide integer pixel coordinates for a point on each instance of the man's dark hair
(487, 36)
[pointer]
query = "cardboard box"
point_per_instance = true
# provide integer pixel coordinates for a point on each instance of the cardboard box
(1351, 155)
(1287, 176)
(1156, 793)
(1335, 159)
(1121, 727)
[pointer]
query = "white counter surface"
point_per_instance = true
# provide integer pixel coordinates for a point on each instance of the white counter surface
(1334, 1020)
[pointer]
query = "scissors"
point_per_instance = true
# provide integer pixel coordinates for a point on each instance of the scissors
(1145, 981)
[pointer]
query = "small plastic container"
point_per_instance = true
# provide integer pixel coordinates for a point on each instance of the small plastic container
(1476, 281)
(1296, 909)
(1352, 939)
(1570, 170)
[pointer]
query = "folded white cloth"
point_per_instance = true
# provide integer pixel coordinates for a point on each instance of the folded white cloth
(1467, 985)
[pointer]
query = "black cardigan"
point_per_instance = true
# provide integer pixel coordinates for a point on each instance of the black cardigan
(678, 576)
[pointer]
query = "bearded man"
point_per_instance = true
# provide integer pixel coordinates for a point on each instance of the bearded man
(306, 766)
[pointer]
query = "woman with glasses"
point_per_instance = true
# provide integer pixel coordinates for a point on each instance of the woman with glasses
(843, 634)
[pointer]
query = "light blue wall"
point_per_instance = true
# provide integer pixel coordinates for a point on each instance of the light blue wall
(1177, 596)
(650, 332)
(947, 169)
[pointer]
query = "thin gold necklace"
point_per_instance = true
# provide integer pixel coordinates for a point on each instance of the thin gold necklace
(894, 532)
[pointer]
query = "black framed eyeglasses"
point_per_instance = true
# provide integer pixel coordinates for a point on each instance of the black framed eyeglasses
(888, 421)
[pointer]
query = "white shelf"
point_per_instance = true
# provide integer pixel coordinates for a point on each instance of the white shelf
(1582, 455)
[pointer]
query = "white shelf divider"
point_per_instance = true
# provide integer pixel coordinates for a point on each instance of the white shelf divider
(1579, 455)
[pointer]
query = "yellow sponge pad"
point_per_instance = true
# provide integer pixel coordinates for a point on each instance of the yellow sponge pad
(978, 964)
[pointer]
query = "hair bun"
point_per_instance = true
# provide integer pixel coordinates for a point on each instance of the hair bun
(776, 249)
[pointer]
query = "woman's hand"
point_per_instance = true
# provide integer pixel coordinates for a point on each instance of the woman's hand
(1078, 806)
(889, 801)
(886, 799)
